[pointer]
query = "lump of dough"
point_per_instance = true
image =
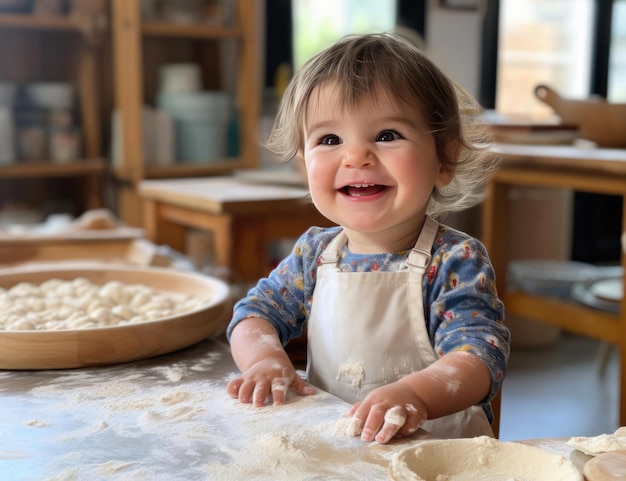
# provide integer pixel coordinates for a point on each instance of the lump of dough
(24, 289)
(21, 325)
(114, 291)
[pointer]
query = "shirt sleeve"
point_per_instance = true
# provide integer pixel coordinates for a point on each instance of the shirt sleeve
(284, 297)
(465, 313)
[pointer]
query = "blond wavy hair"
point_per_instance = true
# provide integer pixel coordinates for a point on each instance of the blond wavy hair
(365, 65)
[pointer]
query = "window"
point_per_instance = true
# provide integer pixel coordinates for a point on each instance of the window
(542, 41)
(295, 30)
(617, 54)
(581, 44)
(319, 23)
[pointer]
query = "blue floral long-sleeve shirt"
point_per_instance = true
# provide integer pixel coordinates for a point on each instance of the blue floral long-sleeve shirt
(461, 306)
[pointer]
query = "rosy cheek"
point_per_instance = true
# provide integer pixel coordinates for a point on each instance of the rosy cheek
(316, 174)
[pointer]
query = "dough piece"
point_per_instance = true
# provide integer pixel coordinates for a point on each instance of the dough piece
(95, 219)
(481, 458)
(348, 426)
(604, 443)
(79, 304)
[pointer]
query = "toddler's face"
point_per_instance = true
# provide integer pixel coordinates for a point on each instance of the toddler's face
(371, 168)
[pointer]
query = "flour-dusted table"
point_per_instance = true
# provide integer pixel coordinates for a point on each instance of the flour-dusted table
(170, 418)
(601, 171)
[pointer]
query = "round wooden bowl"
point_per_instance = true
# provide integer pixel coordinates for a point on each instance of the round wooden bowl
(60, 349)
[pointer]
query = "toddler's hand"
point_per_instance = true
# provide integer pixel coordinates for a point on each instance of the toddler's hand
(270, 375)
(388, 411)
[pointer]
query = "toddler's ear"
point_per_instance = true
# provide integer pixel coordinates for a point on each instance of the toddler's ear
(447, 167)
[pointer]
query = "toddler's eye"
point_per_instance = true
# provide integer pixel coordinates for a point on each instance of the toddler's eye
(388, 135)
(330, 140)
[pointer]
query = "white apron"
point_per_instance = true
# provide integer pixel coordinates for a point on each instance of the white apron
(367, 329)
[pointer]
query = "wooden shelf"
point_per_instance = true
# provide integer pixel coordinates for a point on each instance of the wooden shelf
(192, 170)
(199, 31)
(39, 22)
(182, 170)
(568, 315)
(48, 169)
(40, 48)
(140, 47)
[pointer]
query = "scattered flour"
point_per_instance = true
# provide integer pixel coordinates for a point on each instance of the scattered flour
(112, 467)
(85, 432)
(353, 370)
(6, 454)
(175, 397)
(270, 341)
(172, 374)
(141, 404)
(38, 423)
(348, 426)
(177, 423)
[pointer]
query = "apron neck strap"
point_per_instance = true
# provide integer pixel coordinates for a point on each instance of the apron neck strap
(332, 251)
(420, 256)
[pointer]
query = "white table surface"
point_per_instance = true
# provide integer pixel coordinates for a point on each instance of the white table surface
(169, 418)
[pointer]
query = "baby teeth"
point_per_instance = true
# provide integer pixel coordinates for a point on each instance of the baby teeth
(358, 186)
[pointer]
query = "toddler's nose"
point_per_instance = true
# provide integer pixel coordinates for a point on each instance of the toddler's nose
(357, 157)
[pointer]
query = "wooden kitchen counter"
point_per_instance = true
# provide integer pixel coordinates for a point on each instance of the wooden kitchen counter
(242, 216)
(601, 171)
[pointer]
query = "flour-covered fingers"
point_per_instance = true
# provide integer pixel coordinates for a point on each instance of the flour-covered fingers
(373, 422)
(301, 387)
(414, 419)
(394, 420)
(233, 387)
(279, 391)
(261, 391)
(246, 390)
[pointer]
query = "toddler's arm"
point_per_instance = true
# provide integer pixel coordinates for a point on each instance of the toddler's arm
(453, 383)
(264, 364)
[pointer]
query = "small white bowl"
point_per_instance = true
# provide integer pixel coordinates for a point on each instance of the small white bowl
(7, 94)
(180, 78)
(51, 95)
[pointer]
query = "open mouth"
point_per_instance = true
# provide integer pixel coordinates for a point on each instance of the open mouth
(362, 190)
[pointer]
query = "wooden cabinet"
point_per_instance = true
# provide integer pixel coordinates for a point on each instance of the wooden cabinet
(56, 49)
(140, 48)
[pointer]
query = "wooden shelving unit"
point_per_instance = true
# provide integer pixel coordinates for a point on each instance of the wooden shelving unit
(32, 22)
(27, 170)
(137, 59)
(26, 33)
(189, 31)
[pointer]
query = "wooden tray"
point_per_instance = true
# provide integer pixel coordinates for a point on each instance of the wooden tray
(111, 345)
(134, 251)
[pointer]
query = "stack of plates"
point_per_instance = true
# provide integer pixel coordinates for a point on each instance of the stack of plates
(594, 286)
